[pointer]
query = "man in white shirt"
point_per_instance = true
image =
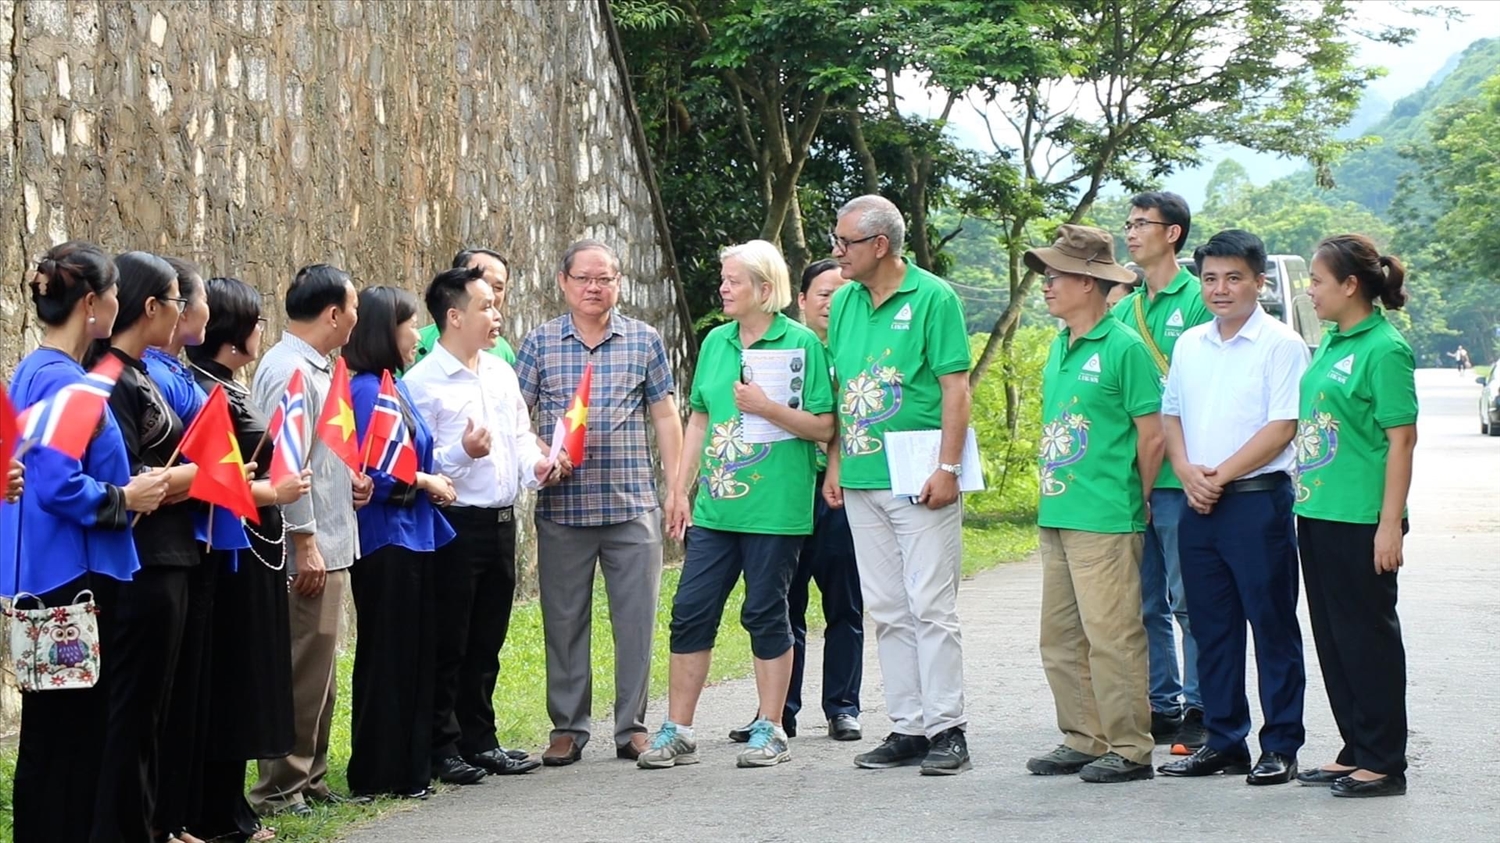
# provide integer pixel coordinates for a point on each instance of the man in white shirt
(482, 441)
(1229, 414)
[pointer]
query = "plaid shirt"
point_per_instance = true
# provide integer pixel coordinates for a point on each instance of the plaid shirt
(617, 481)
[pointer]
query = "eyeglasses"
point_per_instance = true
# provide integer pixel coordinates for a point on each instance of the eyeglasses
(181, 303)
(261, 321)
(842, 244)
(602, 281)
(1050, 279)
(1134, 224)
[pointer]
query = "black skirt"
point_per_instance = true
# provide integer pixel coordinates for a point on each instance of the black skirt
(251, 713)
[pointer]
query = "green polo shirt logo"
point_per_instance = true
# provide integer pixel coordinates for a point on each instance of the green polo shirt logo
(1090, 370)
(1343, 369)
(902, 320)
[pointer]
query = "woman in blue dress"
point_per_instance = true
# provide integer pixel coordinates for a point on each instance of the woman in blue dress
(395, 647)
(70, 531)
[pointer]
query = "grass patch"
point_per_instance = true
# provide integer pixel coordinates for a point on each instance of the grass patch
(521, 697)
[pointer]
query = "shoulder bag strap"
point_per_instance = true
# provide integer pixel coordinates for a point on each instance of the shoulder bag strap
(1145, 332)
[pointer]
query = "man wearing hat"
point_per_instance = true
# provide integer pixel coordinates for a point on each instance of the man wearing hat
(1100, 452)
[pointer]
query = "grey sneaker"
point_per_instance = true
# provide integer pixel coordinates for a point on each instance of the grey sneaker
(896, 750)
(1063, 761)
(1112, 768)
(669, 748)
(766, 747)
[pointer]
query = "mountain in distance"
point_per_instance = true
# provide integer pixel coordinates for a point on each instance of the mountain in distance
(1369, 176)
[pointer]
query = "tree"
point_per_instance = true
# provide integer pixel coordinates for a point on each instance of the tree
(1146, 85)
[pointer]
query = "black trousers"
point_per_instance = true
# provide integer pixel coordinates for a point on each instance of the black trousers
(474, 588)
(1239, 565)
(828, 558)
(393, 672)
(225, 812)
(62, 738)
(1358, 636)
(139, 657)
(184, 733)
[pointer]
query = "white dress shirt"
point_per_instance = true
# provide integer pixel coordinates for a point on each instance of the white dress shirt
(1224, 392)
(448, 394)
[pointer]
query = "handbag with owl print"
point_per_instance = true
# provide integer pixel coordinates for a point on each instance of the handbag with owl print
(55, 649)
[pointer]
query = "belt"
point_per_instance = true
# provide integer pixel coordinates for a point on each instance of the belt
(1259, 483)
(498, 514)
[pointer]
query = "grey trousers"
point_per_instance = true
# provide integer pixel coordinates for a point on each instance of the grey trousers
(629, 554)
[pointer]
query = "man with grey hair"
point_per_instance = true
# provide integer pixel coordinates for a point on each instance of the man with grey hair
(607, 514)
(901, 361)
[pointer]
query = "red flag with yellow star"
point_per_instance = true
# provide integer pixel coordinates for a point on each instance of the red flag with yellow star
(572, 426)
(336, 422)
(211, 444)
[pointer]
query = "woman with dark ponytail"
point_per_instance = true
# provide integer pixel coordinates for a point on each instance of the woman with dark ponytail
(152, 608)
(70, 531)
(1356, 435)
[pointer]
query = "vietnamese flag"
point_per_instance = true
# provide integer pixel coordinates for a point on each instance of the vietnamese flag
(336, 422)
(572, 426)
(211, 444)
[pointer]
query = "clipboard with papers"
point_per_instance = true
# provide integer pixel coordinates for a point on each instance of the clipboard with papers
(912, 456)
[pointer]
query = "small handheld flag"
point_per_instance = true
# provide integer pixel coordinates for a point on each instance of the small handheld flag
(336, 422)
(211, 444)
(388, 440)
(66, 421)
(288, 430)
(571, 431)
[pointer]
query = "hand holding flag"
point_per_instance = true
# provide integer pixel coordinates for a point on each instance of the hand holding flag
(8, 433)
(571, 431)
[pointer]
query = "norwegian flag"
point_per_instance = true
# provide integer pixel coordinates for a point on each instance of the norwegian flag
(289, 427)
(67, 421)
(388, 440)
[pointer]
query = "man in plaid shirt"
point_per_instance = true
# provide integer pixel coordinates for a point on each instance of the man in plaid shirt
(607, 513)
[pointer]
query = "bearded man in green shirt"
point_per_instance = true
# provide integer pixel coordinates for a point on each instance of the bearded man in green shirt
(1100, 452)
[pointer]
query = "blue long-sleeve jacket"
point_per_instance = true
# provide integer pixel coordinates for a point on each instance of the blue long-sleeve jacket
(71, 519)
(186, 398)
(397, 513)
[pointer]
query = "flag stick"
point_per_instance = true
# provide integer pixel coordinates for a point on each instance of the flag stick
(210, 530)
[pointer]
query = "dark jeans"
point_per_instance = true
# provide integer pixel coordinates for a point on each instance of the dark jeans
(827, 557)
(391, 735)
(62, 739)
(1239, 564)
(474, 587)
(1358, 635)
(713, 563)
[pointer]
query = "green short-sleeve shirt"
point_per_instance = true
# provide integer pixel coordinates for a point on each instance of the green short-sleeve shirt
(428, 336)
(1359, 383)
(1092, 392)
(887, 362)
(755, 488)
(1176, 308)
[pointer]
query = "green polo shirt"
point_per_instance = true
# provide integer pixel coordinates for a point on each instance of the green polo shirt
(887, 362)
(1092, 392)
(1359, 383)
(428, 336)
(755, 488)
(1176, 308)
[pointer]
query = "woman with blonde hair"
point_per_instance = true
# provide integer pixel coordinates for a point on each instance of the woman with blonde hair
(761, 399)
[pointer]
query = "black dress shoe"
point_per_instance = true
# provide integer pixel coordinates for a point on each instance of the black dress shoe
(498, 763)
(455, 770)
(518, 754)
(1319, 777)
(334, 798)
(1164, 726)
(843, 727)
(1353, 788)
(1273, 768)
(1206, 761)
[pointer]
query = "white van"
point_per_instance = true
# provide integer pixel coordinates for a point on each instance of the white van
(1285, 295)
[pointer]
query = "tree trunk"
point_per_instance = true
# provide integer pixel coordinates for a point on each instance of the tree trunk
(1020, 286)
(867, 167)
(1012, 391)
(794, 249)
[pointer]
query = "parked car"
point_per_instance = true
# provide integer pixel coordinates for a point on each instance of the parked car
(1285, 295)
(1489, 401)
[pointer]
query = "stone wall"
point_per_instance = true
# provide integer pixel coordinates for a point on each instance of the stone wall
(256, 136)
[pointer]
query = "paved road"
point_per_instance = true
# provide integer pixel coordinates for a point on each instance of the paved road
(1450, 608)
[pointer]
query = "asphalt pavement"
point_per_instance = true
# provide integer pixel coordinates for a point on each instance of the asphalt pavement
(1450, 610)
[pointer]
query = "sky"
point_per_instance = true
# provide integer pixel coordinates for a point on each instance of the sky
(1409, 69)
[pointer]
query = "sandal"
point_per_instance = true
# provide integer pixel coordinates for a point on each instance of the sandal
(263, 834)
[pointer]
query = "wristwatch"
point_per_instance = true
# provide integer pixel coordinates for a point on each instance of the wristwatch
(955, 469)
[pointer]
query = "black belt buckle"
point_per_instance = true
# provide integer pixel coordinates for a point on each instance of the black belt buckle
(505, 514)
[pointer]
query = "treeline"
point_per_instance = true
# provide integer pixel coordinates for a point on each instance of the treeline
(764, 115)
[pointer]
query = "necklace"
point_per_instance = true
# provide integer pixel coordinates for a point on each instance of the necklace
(230, 384)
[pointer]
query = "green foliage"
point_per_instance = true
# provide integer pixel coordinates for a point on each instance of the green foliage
(1010, 467)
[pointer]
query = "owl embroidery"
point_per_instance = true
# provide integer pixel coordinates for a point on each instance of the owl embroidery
(67, 649)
